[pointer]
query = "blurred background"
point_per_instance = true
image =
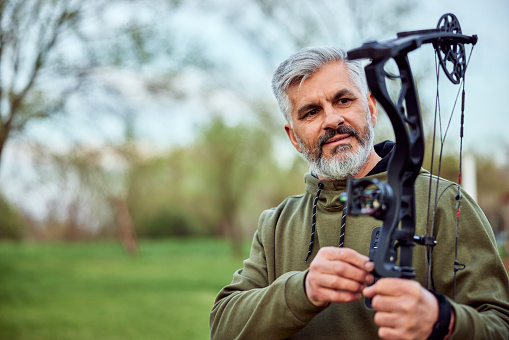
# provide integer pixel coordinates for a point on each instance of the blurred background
(140, 140)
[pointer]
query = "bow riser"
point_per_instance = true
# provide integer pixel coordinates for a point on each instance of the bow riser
(403, 169)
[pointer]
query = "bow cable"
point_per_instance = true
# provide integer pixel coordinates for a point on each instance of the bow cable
(429, 251)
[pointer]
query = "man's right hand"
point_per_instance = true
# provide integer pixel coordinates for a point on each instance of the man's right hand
(337, 275)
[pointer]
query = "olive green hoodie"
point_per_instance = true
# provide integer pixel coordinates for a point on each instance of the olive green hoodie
(266, 299)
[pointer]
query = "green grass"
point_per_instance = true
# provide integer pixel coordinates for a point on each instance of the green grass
(98, 291)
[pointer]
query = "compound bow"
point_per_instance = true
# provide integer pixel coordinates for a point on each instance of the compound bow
(394, 202)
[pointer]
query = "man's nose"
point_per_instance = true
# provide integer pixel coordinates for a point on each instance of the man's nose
(333, 118)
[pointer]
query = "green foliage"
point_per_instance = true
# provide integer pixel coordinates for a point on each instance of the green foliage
(97, 291)
(229, 160)
(504, 253)
(11, 223)
(169, 222)
(203, 188)
(449, 164)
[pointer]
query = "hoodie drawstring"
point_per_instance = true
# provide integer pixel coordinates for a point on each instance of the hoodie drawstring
(313, 223)
(343, 224)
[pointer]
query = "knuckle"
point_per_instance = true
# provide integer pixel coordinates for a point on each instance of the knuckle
(345, 253)
(409, 306)
(313, 266)
(411, 325)
(311, 281)
(314, 294)
(340, 269)
(335, 281)
(406, 306)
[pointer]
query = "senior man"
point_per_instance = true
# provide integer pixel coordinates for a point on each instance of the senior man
(290, 287)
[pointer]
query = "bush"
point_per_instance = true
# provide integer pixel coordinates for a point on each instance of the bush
(169, 223)
(11, 223)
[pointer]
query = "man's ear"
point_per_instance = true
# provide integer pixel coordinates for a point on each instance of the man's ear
(372, 108)
(291, 136)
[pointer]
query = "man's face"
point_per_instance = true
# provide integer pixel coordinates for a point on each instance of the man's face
(332, 122)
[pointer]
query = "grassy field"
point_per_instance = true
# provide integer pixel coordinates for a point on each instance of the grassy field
(98, 291)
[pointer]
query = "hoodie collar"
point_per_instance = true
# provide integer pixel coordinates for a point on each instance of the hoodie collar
(329, 196)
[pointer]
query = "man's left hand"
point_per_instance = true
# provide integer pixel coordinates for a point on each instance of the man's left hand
(404, 309)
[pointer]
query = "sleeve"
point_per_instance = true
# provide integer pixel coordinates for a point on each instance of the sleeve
(251, 307)
(481, 304)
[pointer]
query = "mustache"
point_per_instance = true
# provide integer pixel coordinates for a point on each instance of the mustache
(341, 130)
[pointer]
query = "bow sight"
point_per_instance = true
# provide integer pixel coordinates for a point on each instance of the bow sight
(394, 202)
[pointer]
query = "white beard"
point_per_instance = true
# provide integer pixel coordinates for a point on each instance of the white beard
(344, 162)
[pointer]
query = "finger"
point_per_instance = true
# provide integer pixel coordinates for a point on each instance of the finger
(347, 255)
(322, 289)
(339, 283)
(344, 297)
(397, 327)
(397, 287)
(341, 270)
(383, 319)
(389, 333)
(382, 303)
(337, 296)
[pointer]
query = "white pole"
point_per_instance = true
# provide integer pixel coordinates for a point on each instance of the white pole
(470, 176)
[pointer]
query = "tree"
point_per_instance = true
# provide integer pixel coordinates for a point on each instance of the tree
(54, 52)
(29, 34)
(70, 58)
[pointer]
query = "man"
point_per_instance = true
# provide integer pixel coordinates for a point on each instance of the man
(293, 288)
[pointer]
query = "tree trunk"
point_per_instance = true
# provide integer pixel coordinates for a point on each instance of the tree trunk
(126, 225)
(234, 233)
(4, 133)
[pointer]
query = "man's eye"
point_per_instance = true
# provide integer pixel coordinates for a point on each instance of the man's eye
(311, 113)
(345, 101)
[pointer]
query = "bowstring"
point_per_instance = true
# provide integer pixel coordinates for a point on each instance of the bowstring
(429, 251)
(457, 265)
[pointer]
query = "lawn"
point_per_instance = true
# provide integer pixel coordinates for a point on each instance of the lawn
(98, 291)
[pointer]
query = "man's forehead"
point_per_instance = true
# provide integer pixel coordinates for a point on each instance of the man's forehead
(331, 70)
(327, 80)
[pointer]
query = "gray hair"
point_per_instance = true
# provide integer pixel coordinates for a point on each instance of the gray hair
(303, 64)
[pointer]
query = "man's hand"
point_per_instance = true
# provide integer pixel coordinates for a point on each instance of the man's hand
(404, 309)
(337, 275)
